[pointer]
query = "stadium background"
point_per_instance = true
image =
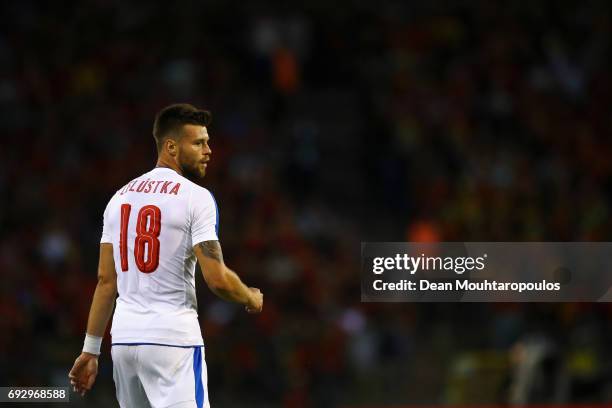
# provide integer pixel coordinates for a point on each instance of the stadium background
(387, 121)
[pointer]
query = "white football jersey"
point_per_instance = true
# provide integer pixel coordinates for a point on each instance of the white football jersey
(153, 223)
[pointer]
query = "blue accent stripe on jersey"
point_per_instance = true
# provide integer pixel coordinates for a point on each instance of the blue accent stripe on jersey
(217, 212)
(152, 344)
(197, 374)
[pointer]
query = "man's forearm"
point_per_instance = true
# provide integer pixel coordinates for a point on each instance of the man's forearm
(233, 289)
(224, 282)
(101, 309)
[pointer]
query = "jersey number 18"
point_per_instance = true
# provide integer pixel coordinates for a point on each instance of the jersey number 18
(148, 225)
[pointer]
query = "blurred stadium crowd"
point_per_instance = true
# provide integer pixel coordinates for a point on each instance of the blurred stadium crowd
(388, 121)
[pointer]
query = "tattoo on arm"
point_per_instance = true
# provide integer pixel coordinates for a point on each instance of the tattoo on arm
(212, 249)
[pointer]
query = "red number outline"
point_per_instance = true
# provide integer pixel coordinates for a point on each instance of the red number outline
(125, 219)
(148, 227)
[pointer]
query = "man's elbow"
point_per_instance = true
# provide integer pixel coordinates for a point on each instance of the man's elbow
(107, 284)
(217, 282)
(218, 286)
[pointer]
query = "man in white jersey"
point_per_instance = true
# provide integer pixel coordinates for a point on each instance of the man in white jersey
(155, 227)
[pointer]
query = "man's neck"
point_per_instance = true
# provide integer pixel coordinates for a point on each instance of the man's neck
(161, 162)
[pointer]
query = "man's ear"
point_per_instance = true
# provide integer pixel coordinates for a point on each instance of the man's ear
(171, 147)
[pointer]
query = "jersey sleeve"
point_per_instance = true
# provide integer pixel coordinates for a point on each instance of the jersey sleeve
(106, 230)
(205, 217)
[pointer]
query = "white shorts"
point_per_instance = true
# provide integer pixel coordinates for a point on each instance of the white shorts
(160, 376)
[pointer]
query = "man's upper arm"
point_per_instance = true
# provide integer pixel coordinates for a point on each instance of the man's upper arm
(204, 225)
(106, 265)
(204, 217)
(210, 258)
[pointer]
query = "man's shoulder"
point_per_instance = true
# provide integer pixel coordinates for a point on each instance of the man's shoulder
(202, 198)
(198, 189)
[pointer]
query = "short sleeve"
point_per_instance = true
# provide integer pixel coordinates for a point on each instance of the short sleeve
(106, 230)
(205, 217)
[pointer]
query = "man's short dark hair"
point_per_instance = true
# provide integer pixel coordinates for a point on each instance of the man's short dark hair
(171, 119)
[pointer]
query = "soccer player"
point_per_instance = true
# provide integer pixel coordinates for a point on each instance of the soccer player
(155, 227)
